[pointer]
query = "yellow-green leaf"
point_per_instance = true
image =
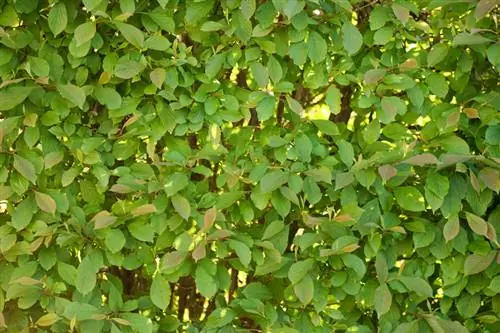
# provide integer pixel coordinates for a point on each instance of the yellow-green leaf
(47, 320)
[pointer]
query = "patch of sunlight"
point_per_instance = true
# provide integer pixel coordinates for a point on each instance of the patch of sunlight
(350, 123)
(186, 315)
(242, 278)
(422, 121)
(3, 206)
(411, 46)
(234, 74)
(318, 112)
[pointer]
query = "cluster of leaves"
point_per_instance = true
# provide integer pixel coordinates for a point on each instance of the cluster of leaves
(249, 166)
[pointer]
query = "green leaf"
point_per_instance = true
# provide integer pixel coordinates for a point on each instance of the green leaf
(495, 284)
(469, 39)
(383, 299)
(72, 93)
(205, 282)
(437, 54)
(299, 270)
(84, 33)
(272, 229)
(58, 18)
(274, 69)
(475, 263)
(451, 228)
(418, 285)
(436, 189)
(247, 8)
(355, 263)
(86, 276)
(47, 320)
(294, 105)
(91, 4)
(316, 47)
(108, 96)
(127, 6)
(333, 99)
(45, 202)
(346, 152)
(437, 85)
(212, 26)
(422, 159)
(402, 13)
(298, 53)
(484, 7)
(352, 38)
(372, 131)
(281, 204)
(409, 198)
(381, 268)
(158, 43)
(164, 20)
(214, 65)
(115, 240)
(383, 36)
(304, 147)
(242, 251)
(227, 199)
(260, 74)
(453, 144)
(133, 35)
(273, 180)
(477, 224)
(68, 176)
(491, 178)
(127, 69)
(468, 305)
(25, 168)
(181, 206)
(326, 126)
(391, 106)
(266, 107)
(39, 66)
(304, 290)
(379, 16)
(374, 76)
(22, 215)
(13, 96)
(160, 292)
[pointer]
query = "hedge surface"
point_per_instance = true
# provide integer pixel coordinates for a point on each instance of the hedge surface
(227, 166)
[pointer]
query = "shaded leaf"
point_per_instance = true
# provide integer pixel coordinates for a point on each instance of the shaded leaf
(45, 202)
(160, 292)
(475, 263)
(72, 93)
(181, 206)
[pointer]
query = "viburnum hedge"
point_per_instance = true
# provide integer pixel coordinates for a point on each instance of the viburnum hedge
(228, 166)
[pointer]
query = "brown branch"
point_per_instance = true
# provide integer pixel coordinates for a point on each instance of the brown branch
(279, 111)
(233, 286)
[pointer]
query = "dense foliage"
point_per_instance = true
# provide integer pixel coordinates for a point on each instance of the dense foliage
(227, 166)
